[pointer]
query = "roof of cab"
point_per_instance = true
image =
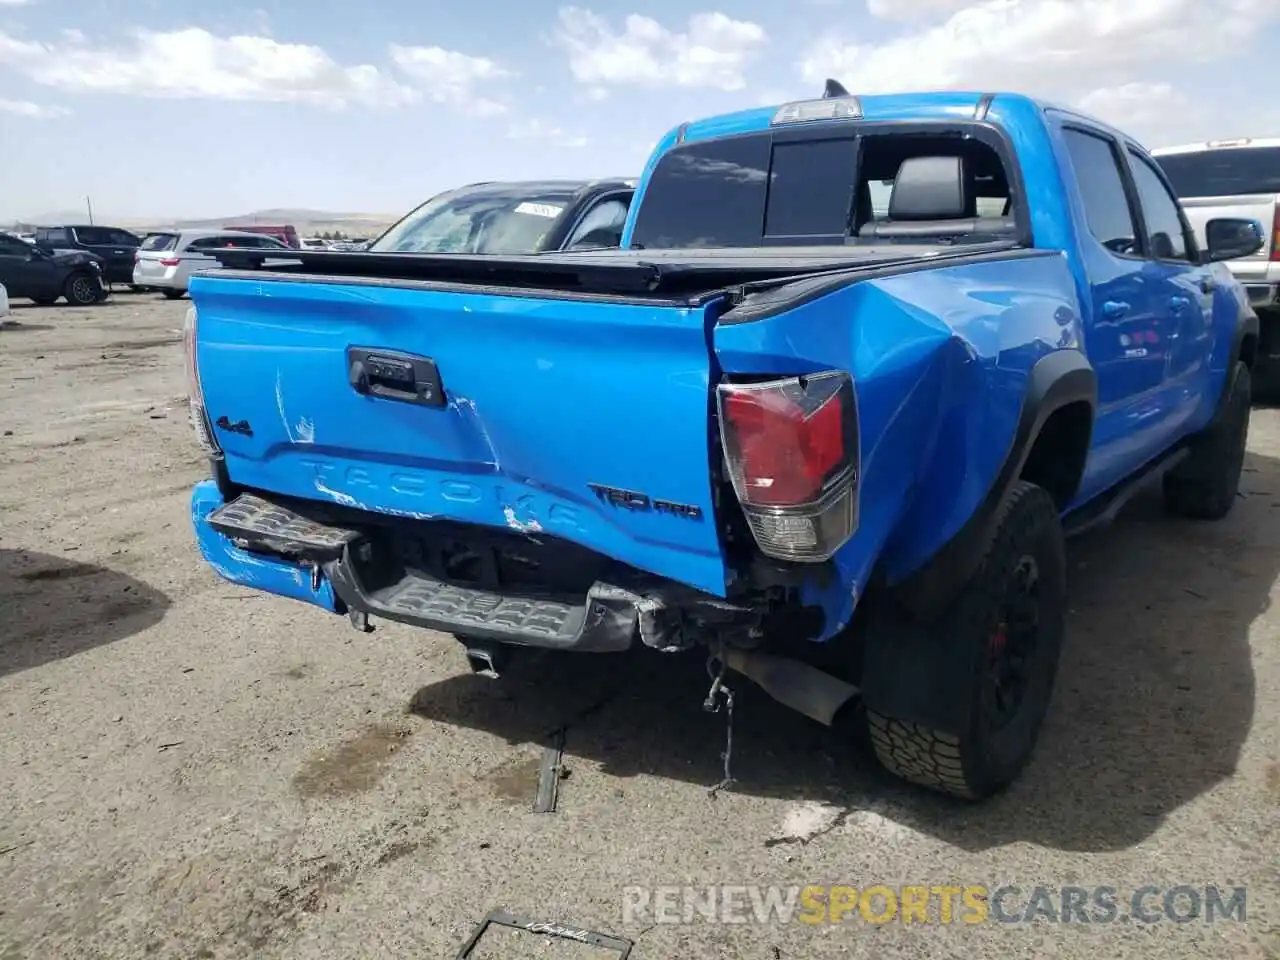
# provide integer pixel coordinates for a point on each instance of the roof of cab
(1234, 144)
(542, 187)
(935, 105)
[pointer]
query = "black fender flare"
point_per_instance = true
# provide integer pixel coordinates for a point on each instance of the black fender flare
(909, 666)
(1248, 325)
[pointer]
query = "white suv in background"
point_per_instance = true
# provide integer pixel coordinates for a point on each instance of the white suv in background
(1238, 178)
(166, 260)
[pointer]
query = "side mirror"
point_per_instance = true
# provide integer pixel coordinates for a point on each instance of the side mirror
(1229, 238)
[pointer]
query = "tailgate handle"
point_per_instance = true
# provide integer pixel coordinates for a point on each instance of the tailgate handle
(389, 375)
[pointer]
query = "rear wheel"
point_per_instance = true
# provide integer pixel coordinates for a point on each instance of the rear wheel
(174, 294)
(1009, 618)
(1205, 484)
(82, 290)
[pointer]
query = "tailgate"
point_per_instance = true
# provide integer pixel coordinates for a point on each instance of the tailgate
(1261, 208)
(583, 418)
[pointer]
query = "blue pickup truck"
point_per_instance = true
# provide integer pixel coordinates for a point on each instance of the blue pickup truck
(857, 370)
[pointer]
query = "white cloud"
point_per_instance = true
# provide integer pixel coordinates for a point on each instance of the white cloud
(534, 129)
(1139, 106)
(914, 9)
(712, 52)
(32, 111)
(194, 63)
(447, 76)
(15, 3)
(1049, 47)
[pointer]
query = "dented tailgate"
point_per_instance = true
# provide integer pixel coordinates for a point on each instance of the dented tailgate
(586, 419)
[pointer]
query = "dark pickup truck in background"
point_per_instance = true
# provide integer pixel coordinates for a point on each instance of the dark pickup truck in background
(520, 217)
(113, 245)
(837, 448)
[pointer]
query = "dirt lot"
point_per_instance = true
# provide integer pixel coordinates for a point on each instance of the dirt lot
(194, 770)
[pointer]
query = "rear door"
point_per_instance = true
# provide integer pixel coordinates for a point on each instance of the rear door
(154, 249)
(123, 246)
(1128, 308)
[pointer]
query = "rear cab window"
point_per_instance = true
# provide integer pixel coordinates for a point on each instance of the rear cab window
(817, 187)
(1223, 171)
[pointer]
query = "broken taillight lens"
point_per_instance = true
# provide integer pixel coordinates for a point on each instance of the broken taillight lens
(791, 450)
(195, 396)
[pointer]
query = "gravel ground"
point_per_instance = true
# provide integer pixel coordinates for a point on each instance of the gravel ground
(195, 770)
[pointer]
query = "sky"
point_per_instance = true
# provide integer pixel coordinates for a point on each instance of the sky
(184, 108)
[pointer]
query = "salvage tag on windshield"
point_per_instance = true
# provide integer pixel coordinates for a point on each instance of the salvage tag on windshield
(540, 209)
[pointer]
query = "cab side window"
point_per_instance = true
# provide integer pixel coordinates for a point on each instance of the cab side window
(1106, 204)
(607, 215)
(1167, 237)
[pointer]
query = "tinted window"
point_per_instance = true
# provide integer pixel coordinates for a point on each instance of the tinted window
(1165, 237)
(811, 190)
(159, 241)
(210, 243)
(709, 194)
(1102, 188)
(484, 220)
(93, 235)
(51, 235)
(606, 217)
(1223, 172)
(123, 238)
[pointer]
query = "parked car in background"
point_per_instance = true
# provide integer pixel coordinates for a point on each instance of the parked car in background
(514, 218)
(4, 302)
(286, 233)
(166, 261)
(315, 243)
(1239, 178)
(113, 245)
(43, 274)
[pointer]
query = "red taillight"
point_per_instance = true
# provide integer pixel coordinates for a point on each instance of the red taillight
(170, 262)
(791, 449)
(1275, 235)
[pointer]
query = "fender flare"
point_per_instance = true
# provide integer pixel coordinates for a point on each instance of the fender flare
(909, 667)
(1248, 325)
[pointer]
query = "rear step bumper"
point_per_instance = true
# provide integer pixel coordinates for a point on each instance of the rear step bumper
(265, 545)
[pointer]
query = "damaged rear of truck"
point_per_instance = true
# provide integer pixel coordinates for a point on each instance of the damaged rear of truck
(773, 426)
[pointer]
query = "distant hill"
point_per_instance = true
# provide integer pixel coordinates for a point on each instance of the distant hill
(307, 221)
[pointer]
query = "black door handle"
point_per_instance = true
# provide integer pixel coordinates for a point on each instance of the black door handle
(394, 376)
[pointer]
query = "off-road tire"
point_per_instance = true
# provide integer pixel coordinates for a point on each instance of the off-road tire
(174, 294)
(81, 290)
(1204, 485)
(985, 758)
